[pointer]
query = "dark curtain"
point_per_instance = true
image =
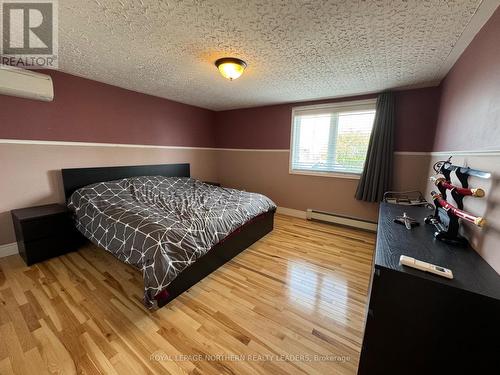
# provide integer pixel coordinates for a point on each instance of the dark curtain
(377, 172)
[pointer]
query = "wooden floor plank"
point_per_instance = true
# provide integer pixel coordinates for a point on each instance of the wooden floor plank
(294, 302)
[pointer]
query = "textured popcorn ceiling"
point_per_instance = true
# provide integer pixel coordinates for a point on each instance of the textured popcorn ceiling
(296, 50)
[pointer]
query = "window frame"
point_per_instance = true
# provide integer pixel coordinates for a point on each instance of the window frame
(353, 104)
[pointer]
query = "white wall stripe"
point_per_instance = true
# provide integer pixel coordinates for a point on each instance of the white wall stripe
(411, 153)
(252, 149)
(467, 153)
(450, 153)
(96, 144)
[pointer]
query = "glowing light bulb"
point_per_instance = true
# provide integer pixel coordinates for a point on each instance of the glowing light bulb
(230, 67)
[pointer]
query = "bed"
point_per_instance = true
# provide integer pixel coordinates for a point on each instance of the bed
(176, 230)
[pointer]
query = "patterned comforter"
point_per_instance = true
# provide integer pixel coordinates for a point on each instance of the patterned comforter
(161, 225)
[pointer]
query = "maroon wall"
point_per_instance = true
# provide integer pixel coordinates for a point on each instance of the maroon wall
(89, 111)
(416, 118)
(269, 127)
(265, 127)
(469, 117)
(469, 120)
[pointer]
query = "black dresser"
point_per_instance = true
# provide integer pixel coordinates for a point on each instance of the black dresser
(43, 232)
(419, 323)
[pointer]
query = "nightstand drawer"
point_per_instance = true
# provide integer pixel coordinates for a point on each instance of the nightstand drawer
(45, 248)
(38, 228)
(46, 231)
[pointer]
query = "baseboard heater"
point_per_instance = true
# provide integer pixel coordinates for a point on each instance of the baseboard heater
(341, 220)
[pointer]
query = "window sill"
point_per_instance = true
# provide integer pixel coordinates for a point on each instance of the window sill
(350, 176)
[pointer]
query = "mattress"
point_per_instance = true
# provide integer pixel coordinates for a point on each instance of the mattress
(161, 225)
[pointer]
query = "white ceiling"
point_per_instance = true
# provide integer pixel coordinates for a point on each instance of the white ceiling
(296, 50)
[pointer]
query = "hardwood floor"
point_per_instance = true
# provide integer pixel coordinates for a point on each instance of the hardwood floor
(294, 302)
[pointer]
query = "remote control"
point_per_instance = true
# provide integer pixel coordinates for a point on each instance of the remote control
(426, 267)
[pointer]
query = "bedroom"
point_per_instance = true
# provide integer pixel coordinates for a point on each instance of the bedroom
(261, 194)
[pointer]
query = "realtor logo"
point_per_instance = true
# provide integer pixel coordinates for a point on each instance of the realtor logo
(29, 32)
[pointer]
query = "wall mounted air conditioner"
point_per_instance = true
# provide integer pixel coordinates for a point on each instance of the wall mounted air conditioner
(26, 84)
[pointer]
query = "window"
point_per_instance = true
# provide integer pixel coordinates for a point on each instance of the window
(331, 139)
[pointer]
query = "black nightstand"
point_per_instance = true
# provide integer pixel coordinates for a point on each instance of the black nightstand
(44, 232)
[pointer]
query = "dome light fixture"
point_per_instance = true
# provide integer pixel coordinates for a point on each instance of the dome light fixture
(230, 67)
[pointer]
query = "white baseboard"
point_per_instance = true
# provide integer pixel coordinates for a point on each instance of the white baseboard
(291, 212)
(346, 221)
(8, 249)
(342, 220)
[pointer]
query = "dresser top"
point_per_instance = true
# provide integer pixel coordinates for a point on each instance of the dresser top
(29, 213)
(470, 271)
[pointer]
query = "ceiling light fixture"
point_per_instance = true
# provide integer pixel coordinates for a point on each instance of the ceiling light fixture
(230, 67)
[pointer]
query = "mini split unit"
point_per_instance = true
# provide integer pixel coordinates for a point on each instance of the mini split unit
(26, 84)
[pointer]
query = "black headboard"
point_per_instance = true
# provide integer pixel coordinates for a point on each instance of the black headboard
(76, 178)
